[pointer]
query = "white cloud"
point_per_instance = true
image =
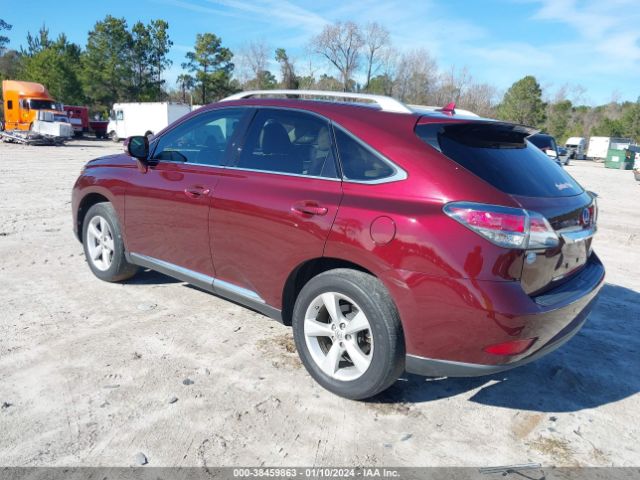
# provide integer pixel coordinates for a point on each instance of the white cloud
(281, 11)
(608, 27)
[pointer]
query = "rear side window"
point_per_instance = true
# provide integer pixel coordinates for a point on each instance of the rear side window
(289, 142)
(501, 155)
(358, 162)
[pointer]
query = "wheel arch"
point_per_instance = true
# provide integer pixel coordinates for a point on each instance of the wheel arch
(306, 271)
(88, 201)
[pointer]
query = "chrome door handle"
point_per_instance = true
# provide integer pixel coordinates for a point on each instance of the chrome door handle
(196, 192)
(309, 209)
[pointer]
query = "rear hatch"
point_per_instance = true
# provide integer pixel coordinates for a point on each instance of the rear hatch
(500, 154)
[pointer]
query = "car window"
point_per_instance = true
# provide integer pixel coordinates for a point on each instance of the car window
(543, 142)
(202, 139)
(119, 115)
(502, 156)
(284, 141)
(358, 162)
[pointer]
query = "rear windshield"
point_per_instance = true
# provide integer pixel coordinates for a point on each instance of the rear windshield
(501, 155)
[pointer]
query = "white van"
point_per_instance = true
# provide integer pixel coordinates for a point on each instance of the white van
(576, 147)
(128, 119)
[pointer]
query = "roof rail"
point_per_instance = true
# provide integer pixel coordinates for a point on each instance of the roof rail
(387, 104)
(446, 110)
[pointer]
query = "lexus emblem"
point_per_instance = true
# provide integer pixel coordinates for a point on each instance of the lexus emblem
(586, 216)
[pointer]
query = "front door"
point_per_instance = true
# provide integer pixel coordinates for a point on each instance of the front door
(275, 203)
(167, 207)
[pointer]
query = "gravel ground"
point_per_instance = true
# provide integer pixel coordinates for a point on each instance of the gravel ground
(99, 374)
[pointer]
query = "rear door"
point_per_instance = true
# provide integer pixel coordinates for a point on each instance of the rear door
(275, 203)
(500, 154)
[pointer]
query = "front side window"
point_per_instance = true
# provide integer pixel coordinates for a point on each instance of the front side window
(283, 141)
(119, 115)
(203, 139)
(10, 105)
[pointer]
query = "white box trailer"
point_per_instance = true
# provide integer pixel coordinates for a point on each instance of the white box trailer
(599, 146)
(128, 119)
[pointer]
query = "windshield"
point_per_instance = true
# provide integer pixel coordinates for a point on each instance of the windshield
(37, 104)
(502, 157)
(543, 142)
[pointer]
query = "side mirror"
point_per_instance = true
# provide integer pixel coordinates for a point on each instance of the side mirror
(138, 147)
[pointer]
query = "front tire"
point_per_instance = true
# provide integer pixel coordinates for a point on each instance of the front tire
(103, 245)
(114, 136)
(348, 333)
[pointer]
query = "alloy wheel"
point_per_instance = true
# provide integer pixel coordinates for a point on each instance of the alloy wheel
(338, 336)
(100, 243)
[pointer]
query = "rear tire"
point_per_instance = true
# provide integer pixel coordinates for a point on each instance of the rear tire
(103, 244)
(354, 349)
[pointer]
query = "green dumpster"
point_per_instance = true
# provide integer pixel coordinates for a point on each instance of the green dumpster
(620, 159)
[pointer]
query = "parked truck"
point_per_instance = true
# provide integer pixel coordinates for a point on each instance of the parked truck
(599, 146)
(78, 117)
(30, 111)
(128, 119)
(576, 148)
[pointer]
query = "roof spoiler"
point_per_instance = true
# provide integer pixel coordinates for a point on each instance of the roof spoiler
(430, 129)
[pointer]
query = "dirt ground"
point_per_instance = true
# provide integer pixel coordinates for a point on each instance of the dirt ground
(93, 373)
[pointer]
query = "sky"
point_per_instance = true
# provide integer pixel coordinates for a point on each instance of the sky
(594, 44)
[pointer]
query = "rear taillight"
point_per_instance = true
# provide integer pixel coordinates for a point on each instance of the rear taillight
(505, 226)
(593, 212)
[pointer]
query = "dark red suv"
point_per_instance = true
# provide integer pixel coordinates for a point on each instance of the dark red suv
(391, 238)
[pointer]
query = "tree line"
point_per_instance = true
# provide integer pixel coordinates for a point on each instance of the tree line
(122, 63)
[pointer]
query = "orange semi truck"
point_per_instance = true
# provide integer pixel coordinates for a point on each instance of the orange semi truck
(29, 107)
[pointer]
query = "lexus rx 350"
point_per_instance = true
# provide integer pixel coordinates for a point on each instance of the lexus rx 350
(390, 238)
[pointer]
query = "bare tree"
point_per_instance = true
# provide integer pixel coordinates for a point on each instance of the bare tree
(253, 61)
(577, 95)
(416, 77)
(257, 57)
(480, 98)
(341, 44)
(376, 38)
(307, 80)
(452, 86)
(383, 82)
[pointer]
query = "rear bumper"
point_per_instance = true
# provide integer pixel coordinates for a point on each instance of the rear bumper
(429, 367)
(449, 323)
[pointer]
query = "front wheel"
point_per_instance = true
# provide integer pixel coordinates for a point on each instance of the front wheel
(103, 245)
(114, 136)
(348, 333)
